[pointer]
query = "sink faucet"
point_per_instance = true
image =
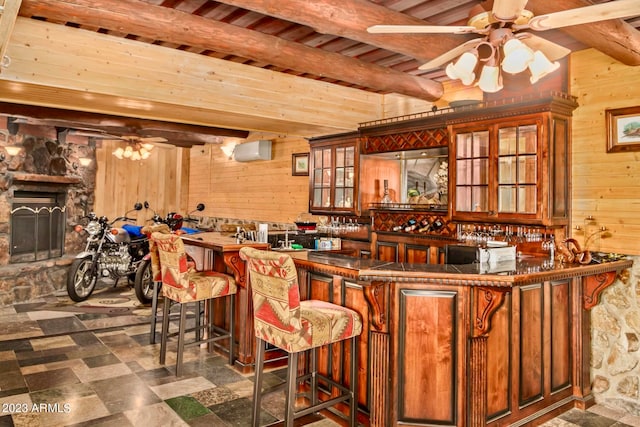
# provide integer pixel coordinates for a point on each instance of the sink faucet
(286, 243)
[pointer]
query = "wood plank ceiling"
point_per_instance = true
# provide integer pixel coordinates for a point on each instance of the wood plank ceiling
(323, 40)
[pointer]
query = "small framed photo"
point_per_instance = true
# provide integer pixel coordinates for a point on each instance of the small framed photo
(300, 164)
(623, 129)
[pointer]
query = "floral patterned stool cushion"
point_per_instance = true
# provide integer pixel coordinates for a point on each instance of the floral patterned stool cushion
(182, 284)
(281, 319)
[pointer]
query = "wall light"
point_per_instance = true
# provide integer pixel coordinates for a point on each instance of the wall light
(228, 150)
(85, 161)
(13, 150)
(500, 52)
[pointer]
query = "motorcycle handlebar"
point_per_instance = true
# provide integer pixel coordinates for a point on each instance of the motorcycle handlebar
(123, 218)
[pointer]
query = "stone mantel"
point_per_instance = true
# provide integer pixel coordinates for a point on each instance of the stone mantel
(48, 179)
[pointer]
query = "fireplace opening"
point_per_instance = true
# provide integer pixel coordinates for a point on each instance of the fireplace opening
(37, 226)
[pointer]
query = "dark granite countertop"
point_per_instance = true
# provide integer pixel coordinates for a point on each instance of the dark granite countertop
(527, 269)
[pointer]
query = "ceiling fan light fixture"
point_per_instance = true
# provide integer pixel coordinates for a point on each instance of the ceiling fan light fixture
(541, 66)
(128, 152)
(119, 153)
(147, 146)
(464, 68)
(517, 56)
(490, 80)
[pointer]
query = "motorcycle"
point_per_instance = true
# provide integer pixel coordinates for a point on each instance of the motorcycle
(143, 282)
(110, 251)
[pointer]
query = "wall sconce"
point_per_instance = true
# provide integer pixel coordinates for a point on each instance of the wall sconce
(228, 150)
(12, 150)
(85, 161)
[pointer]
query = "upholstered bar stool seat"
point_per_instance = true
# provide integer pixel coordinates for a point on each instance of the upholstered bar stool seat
(295, 326)
(183, 285)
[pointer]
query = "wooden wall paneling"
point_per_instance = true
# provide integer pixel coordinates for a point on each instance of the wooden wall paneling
(604, 185)
(146, 74)
(120, 183)
(262, 190)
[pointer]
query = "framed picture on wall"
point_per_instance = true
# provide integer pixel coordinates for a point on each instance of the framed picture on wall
(300, 164)
(623, 129)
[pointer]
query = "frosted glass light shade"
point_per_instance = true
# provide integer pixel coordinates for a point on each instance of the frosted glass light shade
(85, 161)
(541, 66)
(490, 79)
(12, 150)
(517, 56)
(119, 153)
(463, 68)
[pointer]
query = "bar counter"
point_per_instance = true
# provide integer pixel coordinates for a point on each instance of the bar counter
(463, 345)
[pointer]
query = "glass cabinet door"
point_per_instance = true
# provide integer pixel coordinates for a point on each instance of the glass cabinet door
(517, 169)
(321, 180)
(472, 171)
(333, 181)
(344, 173)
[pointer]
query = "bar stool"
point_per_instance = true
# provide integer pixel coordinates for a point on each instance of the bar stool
(183, 285)
(295, 326)
(156, 276)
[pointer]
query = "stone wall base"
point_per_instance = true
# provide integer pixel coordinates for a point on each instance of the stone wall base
(28, 281)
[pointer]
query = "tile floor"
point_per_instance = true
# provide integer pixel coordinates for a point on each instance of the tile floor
(91, 364)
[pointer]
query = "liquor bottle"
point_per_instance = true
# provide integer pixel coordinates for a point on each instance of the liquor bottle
(437, 224)
(411, 225)
(425, 226)
(386, 198)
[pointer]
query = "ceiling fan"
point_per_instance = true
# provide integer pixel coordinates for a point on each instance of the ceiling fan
(137, 147)
(503, 41)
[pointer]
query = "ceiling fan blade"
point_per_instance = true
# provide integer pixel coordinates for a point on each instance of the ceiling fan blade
(584, 15)
(92, 134)
(451, 55)
(508, 10)
(552, 50)
(420, 29)
(152, 140)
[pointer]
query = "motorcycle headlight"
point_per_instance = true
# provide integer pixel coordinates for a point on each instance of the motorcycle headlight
(93, 227)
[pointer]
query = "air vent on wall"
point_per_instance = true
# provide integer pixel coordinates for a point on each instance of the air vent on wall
(249, 151)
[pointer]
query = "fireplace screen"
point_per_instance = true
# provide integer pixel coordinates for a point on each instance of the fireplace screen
(37, 226)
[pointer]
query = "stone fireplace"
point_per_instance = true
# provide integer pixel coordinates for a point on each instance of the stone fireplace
(43, 192)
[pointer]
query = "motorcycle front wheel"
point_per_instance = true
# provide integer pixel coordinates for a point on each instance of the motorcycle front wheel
(143, 284)
(82, 279)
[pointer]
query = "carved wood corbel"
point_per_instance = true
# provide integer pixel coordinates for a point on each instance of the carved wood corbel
(375, 296)
(486, 302)
(594, 285)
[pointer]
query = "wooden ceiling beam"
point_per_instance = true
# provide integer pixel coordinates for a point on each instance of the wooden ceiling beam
(179, 134)
(173, 26)
(351, 18)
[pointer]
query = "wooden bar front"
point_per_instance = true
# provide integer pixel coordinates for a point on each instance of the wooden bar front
(455, 346)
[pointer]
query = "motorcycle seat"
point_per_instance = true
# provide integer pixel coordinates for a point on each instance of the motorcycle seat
(134, 231)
